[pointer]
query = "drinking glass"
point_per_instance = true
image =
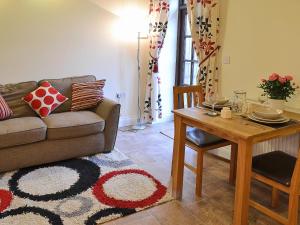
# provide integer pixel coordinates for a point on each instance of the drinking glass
(239, 104)
(213, 99)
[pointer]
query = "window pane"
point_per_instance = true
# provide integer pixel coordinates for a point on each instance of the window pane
(196, 68)
(188, 49)
(187, 73)
(195, 55)
(187, 26)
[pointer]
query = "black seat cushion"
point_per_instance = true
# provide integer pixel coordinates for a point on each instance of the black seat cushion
(277, 166)
(202, 138)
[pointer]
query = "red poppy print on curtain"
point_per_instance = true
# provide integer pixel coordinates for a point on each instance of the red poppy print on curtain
(204, 22)
(158, 15)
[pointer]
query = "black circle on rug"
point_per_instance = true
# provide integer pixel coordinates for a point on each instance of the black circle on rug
(88, 175)
(92, 220)
(52, 218)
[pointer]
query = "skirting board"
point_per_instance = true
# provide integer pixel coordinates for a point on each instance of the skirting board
(223, 152)
(131, 120)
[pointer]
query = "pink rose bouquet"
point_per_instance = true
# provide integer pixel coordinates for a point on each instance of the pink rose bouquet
(278, 87)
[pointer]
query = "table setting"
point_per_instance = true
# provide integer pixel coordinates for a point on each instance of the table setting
(277, 89)
(240, 121)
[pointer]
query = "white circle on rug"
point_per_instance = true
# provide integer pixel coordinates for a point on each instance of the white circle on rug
(25, 219)
(48, 180)
(129, 187)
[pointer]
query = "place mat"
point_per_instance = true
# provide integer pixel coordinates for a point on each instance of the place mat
(216, 108)
(277, 126)
(208, 108)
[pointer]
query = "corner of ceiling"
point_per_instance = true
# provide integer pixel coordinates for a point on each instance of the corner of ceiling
(109, 6)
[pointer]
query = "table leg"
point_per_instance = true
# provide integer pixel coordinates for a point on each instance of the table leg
(233, 163)
(242, 192)
(178, 157)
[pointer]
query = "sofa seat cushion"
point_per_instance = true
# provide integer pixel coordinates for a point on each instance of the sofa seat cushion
(19, 131)
(73, 124)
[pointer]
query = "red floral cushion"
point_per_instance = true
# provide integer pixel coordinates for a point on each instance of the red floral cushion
(5, 111)
(45, 99)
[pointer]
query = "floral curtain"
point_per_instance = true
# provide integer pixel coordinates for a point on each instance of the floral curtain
(159, 11)
(204, 23)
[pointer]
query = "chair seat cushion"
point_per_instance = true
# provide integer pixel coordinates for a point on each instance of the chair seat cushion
(19, 131)
(73, 124)
(202, 138)
(277, 166)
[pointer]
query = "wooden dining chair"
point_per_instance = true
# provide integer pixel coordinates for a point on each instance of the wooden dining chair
(198, 140)
(282, 172)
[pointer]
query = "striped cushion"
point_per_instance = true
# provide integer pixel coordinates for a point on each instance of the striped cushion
(5, 111)
(87, 95)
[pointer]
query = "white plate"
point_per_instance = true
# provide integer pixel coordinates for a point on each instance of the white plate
(268, 113)
(216, 106)
(266, 122)
(280, 119)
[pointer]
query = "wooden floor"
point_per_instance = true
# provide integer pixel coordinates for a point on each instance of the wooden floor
(152, 151)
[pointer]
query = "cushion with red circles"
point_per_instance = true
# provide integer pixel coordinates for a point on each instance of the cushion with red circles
(45, 99)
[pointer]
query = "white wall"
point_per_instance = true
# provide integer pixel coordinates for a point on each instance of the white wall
(57, 38)
(54, 38)
(261, 37)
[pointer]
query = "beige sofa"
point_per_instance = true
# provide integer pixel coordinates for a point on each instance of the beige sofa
(26, 140)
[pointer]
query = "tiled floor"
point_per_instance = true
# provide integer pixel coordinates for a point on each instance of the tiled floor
(152, 151)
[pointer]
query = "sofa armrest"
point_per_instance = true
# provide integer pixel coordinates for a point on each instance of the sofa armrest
(110, 112)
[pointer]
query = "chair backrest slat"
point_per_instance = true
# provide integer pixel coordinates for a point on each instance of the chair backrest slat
(194, 96)
(195, 99)
(189, 99)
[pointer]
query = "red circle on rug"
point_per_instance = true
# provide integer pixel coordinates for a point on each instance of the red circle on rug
(5, 199)
(100, 194)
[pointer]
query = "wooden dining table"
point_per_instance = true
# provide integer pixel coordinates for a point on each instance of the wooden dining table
(239, 130)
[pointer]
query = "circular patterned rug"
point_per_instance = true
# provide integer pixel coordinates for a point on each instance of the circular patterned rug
(89, 190)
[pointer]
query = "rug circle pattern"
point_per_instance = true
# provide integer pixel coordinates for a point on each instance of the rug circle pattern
(87, 171)
(100, 193)
(88, 190)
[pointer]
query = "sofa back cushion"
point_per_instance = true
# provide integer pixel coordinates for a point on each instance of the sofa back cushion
(64, 86)
(13, 94)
